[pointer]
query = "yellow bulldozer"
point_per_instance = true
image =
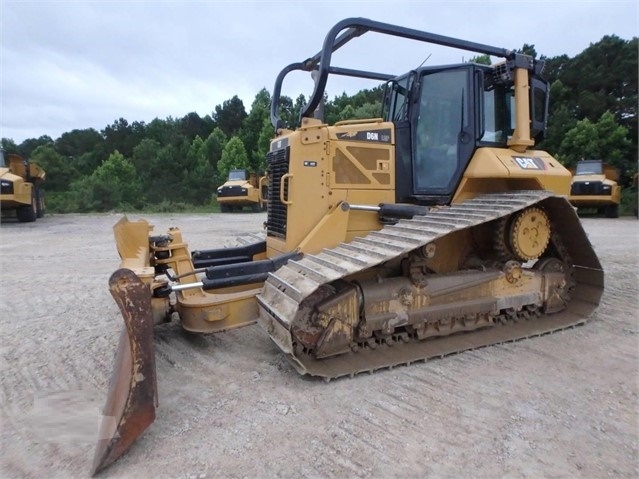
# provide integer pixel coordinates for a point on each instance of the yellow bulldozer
(433, 229)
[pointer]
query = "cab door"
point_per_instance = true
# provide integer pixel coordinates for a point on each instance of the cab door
(443, 137)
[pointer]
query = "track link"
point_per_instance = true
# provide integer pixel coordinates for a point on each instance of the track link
(285, 290)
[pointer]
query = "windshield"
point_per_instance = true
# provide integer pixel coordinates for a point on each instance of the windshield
(237, 175)
(589, 168)
(2, 163)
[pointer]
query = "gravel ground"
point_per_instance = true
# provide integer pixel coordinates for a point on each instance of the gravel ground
(562, 405)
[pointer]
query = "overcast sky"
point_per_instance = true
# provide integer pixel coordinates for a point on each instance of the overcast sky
(83, 64)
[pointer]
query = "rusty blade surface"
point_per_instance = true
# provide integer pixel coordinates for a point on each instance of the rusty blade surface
(132, 398)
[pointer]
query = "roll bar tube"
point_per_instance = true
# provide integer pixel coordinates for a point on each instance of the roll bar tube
(356, 27)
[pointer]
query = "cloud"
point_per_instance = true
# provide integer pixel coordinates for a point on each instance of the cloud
(81, 64)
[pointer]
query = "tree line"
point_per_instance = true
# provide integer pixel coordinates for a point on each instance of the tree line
(173, 163)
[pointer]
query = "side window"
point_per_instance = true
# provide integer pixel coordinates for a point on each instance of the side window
(539, 107)
(498, 121)
(398, 103)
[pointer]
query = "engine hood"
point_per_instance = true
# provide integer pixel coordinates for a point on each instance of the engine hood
(5, 174)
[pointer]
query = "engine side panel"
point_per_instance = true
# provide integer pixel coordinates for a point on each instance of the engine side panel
(315, 169)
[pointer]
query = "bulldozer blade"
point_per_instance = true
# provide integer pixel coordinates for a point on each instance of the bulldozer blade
(132, 397)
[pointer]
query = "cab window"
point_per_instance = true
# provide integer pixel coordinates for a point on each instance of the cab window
(442, 116)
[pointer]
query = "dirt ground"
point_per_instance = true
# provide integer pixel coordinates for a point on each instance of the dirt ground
(562, 405)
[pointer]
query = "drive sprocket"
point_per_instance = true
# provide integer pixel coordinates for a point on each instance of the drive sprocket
(523, 236)
(530, 233)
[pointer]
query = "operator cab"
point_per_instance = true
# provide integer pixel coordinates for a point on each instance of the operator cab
(442, 115)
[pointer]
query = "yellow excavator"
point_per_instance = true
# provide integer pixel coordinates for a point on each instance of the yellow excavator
(433, 229)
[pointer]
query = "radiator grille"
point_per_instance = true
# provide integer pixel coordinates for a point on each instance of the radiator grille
(234, 190)
(6, 187)
(589, 188)
(278, 162)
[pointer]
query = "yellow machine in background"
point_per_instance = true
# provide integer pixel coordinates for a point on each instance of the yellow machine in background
(240, 190)
(21, 187)
(435, 228)
(594, 186)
